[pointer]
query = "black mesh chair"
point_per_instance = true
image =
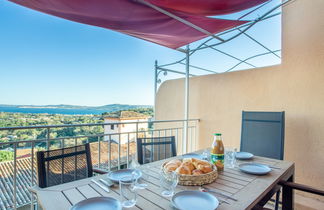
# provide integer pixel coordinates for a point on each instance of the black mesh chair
(262, 134)
(155, 148)
(64, 165)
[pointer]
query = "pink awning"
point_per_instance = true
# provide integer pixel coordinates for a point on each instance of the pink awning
(207, 7)
(135, 19)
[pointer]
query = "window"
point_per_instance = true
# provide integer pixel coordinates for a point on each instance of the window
(112, 127)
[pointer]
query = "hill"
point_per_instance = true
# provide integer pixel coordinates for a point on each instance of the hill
(69, 109)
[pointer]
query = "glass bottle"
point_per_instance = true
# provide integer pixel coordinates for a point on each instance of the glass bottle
(217, 152)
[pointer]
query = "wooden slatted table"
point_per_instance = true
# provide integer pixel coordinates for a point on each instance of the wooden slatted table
(247, 189)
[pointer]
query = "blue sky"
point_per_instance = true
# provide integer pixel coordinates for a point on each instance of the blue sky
(48, 60)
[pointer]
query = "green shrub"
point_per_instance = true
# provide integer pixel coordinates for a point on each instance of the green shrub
(6, 155)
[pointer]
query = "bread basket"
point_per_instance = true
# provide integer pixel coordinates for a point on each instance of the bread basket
(195, 180)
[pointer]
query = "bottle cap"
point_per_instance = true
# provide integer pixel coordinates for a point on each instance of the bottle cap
(217, 134)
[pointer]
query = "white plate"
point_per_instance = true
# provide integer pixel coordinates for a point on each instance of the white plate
(98, 203)
(243, 155)
(193, 200)
(254, 168)
(115, 176)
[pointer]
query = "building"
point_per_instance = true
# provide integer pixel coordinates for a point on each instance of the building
(124, 132)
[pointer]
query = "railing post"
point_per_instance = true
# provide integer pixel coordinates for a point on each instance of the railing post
(32, 176)
(48, 136)
(136, 139)
(119, 145)
(127, 157)
(109, 152)
(99, 151)
(15, 175)
(136, 130)
(177, 137)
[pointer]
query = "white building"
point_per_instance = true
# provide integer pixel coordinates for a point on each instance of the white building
(124, 129)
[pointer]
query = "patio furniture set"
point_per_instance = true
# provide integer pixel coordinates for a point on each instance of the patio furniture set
(66, 177)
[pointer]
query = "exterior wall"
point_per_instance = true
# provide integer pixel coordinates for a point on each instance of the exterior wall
(132, 128)
(296, 86)
(124, 128)
(108, 130)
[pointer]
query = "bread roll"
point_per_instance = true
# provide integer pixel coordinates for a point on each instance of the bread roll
(197, 162)
(177, 162)
(204, 168)
(189, 165)
(171, 167)
(185, 160)
(183, 170)
(197, 172)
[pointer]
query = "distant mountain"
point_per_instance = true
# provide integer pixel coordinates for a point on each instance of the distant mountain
(69, 109)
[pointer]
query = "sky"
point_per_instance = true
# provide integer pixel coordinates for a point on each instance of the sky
(49, 60)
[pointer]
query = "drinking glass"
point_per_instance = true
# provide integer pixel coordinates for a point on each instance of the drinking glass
(206, 155)
(230, 160)
(168, 183)
(128, 195)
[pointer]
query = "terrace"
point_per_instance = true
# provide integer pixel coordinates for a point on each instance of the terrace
(192, 108)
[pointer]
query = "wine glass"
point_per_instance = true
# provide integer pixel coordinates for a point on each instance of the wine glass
(168, 183)
(138, 169)
(134, 164)
(136, 175)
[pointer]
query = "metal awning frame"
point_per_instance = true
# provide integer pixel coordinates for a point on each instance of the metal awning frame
(242, 30)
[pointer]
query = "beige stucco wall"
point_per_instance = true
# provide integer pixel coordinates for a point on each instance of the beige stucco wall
(296, 86)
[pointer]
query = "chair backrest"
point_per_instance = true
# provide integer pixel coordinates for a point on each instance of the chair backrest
(263, 133)
(155, 148)
(63, 165)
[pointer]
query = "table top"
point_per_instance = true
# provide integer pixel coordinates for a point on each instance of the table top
(247, 189)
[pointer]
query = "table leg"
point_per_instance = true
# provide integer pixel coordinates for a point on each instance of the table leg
(288, 196)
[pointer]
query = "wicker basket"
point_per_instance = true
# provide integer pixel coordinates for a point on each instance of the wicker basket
(196, 180)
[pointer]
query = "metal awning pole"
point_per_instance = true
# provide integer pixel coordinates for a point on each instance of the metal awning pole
(155, 86)
(186, 104)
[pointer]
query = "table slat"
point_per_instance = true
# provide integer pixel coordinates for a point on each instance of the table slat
(73, 195)
(88, 191)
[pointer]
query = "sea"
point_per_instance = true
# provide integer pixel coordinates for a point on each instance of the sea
(52, 110)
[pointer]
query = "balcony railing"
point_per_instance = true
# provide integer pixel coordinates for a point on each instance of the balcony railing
(110, 151)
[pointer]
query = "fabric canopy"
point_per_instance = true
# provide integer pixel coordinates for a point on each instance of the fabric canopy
(207, 7)
(135, 19)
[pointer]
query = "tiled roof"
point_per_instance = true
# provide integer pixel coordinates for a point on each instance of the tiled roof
(23, 182)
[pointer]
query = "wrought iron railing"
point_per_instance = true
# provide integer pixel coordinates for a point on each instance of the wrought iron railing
(109, 151)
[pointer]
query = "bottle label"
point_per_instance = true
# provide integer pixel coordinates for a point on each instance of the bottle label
(217, 158)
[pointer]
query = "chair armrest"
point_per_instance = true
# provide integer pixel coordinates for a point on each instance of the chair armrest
(302, 187)
(99, 171)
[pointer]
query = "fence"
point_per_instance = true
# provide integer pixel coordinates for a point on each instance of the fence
(109, 151)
